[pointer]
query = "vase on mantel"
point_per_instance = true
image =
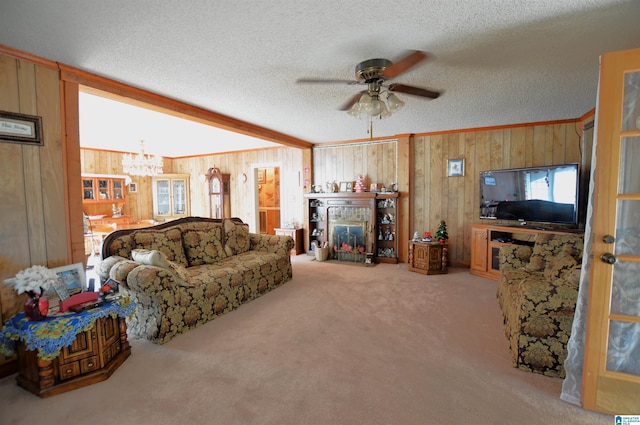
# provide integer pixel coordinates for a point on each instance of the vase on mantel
(36, 306)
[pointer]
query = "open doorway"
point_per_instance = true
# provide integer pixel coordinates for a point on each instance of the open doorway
(268, 189)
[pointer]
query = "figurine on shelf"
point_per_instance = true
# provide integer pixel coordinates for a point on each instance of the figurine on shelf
(360, 184)
(416, 236)
(427, 237)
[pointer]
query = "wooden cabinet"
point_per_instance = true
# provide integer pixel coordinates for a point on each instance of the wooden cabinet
(170, 196)
(479, 250)
(105, 189)
(386, 217)
(486, 241)
(298, 240)
(428, 257)
(94, 355)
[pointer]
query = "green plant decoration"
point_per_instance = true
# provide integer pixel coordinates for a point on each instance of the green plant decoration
(441, 233)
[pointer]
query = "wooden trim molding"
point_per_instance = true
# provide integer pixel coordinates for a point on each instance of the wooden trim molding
(105, 87)
(37, 60)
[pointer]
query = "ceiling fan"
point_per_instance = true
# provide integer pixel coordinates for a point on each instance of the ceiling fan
(378, 99)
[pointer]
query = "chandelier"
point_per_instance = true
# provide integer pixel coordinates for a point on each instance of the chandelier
(142, 164)
(376, 103)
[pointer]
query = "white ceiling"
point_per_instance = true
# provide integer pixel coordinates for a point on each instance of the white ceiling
(497, 62)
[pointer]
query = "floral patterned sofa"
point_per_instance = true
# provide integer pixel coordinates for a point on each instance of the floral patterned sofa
(537, 292)
(189, 271)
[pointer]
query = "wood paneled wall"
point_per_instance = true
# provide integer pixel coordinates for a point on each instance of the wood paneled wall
(435, 196)
(138, 205)
(33, 224)
(432, 195)
(375, 160)
(244, 196)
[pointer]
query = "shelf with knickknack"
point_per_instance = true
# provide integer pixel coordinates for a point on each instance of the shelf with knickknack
(317, 225)
(386, 227)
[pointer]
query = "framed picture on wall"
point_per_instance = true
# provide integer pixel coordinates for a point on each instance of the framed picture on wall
(20, 128)
(456, 168)
(133, 187)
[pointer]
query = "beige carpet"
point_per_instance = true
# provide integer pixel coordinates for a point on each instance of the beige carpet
(336, 345)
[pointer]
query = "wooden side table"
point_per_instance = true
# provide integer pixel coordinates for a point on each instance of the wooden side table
(298, 239)
(96, 352)
(427, 257)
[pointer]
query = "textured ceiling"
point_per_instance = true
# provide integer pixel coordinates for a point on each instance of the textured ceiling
(497, 62)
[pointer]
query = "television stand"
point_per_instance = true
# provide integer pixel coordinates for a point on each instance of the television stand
(486, 240)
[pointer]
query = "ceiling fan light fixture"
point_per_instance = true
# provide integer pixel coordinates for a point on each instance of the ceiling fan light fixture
(394, 103)
(355, 110)
(375, 107)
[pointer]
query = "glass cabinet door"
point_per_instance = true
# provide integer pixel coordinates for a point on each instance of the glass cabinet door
(88, 191)
(163, 201)
(171, 196)
(103, 189)
(179, 197)
(118, 189)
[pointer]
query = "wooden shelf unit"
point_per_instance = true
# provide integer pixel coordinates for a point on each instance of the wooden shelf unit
(487, 239)
(381, 205)
(93, 357)
(386, 250)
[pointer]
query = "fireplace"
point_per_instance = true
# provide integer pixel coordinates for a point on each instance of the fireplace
(349, 233)
(349, 241)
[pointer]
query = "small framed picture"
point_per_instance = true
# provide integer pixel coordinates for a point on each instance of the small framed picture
(20, 128)
(73, 277)
(456, 168)
(133, 187)
(346, 186)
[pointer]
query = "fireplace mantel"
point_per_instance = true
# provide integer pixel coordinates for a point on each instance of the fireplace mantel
(346, 209)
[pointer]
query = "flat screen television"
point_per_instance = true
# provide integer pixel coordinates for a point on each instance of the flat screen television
(546, 194)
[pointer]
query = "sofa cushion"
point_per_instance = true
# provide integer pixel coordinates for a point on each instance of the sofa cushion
(159, 259)
(203, 246)
(168, 241)
(548, 245)
(121, 246)
(560, 266)
(236, 238)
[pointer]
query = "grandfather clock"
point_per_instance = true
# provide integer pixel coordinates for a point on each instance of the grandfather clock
(219, 196)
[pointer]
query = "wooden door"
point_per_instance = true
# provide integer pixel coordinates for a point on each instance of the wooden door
(611, 381)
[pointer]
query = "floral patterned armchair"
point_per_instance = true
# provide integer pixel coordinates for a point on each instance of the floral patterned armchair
(537, 292)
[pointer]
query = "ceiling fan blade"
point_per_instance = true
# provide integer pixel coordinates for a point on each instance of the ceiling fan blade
(416, 91)
(355, 99)
(404, 64)
(325, 81)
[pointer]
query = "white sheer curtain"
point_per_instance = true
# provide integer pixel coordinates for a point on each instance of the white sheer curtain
(573, 365)
(623, 352)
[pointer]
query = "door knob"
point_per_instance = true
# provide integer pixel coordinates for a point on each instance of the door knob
(609, 239)
(608, 258)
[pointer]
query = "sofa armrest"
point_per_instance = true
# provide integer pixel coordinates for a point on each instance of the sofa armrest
(104, 267)
(514, 256)
(150, 280)
(541, 296)
(277, 244)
